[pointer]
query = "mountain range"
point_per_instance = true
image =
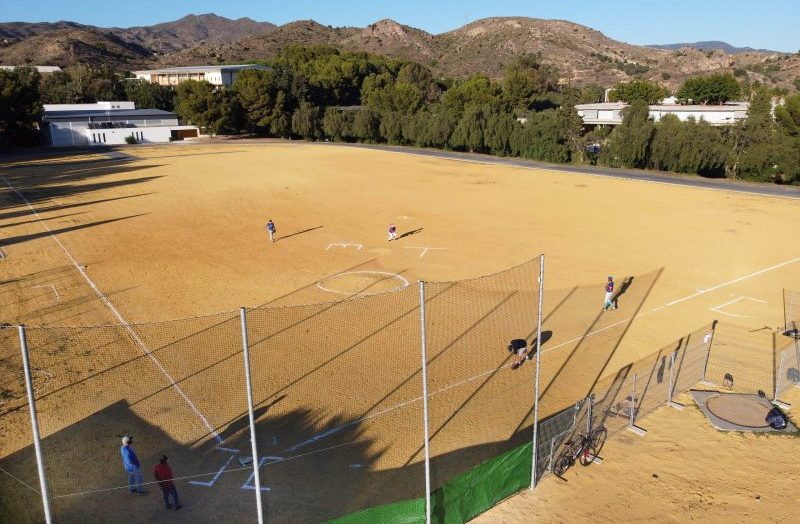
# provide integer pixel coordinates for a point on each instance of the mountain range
(582, 55)
(709, 45)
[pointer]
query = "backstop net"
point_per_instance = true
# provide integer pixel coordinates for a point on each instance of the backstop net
(19, 483)
(338, 401)
(176, 388)
(479, 406)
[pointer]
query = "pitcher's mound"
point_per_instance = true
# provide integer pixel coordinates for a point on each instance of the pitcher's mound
(362, 283)
(736, 411)
(739, 410)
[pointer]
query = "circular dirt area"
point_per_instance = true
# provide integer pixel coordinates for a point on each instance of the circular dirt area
(739, 410)
(363, 283)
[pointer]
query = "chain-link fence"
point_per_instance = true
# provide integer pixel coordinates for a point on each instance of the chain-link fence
(338, 402)
(787, 373)
(791, 311)
(745, 360)
(740, 359)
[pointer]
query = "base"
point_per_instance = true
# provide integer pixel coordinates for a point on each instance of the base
(783, 405)
(639, 431)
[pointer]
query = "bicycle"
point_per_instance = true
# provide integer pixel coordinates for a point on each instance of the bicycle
(584, 448)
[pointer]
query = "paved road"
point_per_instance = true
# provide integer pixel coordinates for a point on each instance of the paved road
(660, 177)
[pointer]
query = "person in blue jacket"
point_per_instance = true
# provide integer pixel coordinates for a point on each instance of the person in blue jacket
(131, 463)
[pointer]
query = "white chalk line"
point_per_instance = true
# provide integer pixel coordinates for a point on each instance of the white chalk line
(51, 286)
(20, 481)
(424, 249)
(232, 470)
(718, 308)
(329, 432)
(211, 482)
(678, 301)
(120, 319)
(404, 281)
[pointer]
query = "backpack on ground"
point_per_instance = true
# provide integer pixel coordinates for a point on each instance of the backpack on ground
(777, 419)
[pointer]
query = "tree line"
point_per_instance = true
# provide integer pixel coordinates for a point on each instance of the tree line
(321, 93)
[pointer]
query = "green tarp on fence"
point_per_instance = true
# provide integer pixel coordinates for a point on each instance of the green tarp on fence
(462, 498)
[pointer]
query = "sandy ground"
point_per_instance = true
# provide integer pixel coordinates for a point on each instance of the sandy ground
(179, 232)
(683, 470)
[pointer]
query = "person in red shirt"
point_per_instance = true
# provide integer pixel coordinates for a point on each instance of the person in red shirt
(163, 475)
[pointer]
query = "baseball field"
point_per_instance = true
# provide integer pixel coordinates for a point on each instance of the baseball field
(128, 270)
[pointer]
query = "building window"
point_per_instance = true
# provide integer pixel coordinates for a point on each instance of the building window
(104, 138)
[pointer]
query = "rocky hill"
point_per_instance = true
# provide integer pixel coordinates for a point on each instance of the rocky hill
(67, 43)
(82, 45)
(192, 30)
(11, 32)
(583, 55)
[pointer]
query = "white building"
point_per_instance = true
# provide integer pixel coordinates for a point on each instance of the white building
(222, 75)
(41, 69)
(610, 113)
(110, 123)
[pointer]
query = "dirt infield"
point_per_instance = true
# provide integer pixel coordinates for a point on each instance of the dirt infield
(179, 232)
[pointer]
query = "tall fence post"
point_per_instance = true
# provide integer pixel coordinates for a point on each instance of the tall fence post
(425, 403)
(37, 442)
(778, 377)
(673, 378)
(534, 451)
(796, 378)
(634, 407)
(710, 342)
(251, 415)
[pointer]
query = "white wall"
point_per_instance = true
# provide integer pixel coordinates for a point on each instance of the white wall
(712, 117)
(65, 134)
(104, 137)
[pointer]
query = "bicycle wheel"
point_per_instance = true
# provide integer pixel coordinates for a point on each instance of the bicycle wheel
(598, 439)
(588, 454)
(562, 464)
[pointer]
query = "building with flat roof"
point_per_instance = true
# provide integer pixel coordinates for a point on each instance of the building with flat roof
(110, 123)
(610, 113)
(221, 75)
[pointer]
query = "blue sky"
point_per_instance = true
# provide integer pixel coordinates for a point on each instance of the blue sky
(770, 24)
